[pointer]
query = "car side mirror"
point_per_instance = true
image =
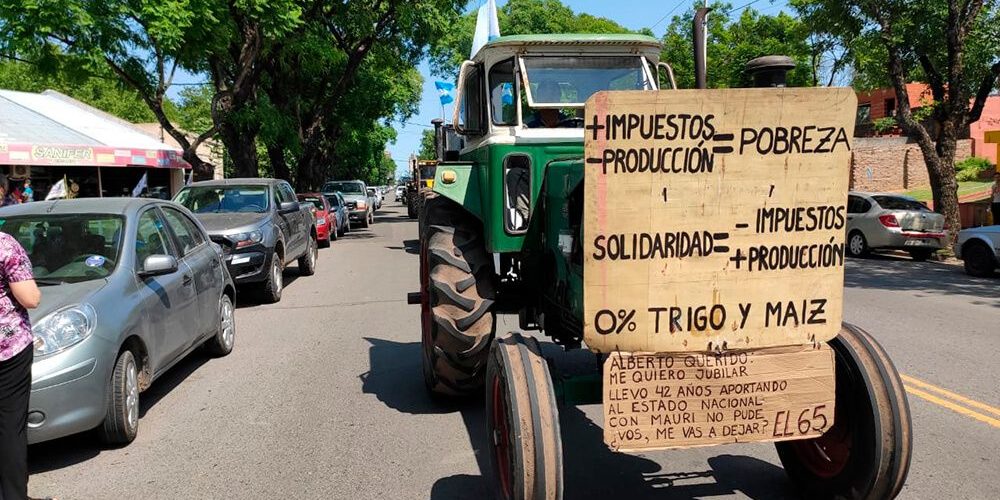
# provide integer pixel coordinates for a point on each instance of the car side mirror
(288, 206)
(156, 265)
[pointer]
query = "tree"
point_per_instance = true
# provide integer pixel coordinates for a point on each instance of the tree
(731, 43)
(516, 17)
(953, 45)
(428, 149)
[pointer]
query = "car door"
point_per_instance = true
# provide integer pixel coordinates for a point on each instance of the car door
(284, 222)
(169, 301)
(204, 265)
(297, 221)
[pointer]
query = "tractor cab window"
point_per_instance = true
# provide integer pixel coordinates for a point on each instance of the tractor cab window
(556, 88)
(471, 110)
(503, 106)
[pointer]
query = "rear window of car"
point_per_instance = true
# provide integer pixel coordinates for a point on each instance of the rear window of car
(318, 203)
(897, 203)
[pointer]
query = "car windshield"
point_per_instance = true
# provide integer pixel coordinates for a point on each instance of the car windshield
(68, 248)
(568, 80)
(224, 199)
(371, 192)
(897, 203)
(344, 187)
(318, 203)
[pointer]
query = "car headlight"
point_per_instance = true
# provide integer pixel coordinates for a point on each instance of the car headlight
(320, 221)
(362, 205)
(247, 239)
(64, 328)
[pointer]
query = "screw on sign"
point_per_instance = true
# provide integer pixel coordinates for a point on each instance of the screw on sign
(607, 321)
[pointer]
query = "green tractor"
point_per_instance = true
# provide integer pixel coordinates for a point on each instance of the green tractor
(501, 232)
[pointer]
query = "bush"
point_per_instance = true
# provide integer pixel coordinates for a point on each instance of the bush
(973, 169)
(883, 125)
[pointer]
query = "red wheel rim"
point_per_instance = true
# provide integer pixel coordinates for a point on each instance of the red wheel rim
(425, 299)
(827, 455)
(501, 437)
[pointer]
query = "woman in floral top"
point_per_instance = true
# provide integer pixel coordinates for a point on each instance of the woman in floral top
(18, 293)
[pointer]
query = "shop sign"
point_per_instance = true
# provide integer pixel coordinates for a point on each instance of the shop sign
(62, 153)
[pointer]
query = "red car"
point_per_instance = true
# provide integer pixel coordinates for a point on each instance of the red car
(326, 224)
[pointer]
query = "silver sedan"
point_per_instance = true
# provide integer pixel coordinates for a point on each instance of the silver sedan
(890, 221)
(129, 287)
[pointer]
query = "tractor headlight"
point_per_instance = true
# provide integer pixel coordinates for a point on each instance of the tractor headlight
(64, 328)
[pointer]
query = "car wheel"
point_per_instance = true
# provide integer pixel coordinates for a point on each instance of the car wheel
(364, 223)
(921, 254)
(978, 260)
(222, 342)
(857, 245)
(331, 235)
(371, 218)
(121, 422)
(307, 263)
(275, 282)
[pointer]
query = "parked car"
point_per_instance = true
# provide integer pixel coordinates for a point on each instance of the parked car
(338, 210)
(130, 287)
(979, 249)
(400, 192)
(877, 221)
(360, 208)
(376, 197)
(261, 227)
(326, 224)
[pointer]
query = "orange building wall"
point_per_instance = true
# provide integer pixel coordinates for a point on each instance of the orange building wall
(990, 120)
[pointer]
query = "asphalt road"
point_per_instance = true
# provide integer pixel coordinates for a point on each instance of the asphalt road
(322, 398)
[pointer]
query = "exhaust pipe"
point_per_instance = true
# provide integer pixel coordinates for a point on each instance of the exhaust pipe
(700, 47)
(439, 145)
(770, 71)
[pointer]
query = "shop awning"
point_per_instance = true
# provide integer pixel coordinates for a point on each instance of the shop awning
(53, 129)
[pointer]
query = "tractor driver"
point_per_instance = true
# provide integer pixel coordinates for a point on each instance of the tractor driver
(547, 92)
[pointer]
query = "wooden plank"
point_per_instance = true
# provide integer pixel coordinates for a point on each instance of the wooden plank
(715, 218)
(659, 401)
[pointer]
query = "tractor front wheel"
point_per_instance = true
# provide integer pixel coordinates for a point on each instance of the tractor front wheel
(866, 454)
(522, 423)
(456, 299)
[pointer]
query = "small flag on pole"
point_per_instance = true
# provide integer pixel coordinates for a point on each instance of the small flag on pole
(444, 92)
(58, 190)
(487, 26)
(139, 187)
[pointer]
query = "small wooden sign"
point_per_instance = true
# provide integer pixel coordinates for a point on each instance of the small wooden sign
(715, 218)
(659, 401)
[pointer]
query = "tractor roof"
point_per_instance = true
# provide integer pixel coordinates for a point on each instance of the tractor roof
(573, 40)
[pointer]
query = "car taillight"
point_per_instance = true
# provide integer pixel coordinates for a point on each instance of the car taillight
(888, 220)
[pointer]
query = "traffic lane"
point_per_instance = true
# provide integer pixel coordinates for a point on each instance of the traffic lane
(938, 324)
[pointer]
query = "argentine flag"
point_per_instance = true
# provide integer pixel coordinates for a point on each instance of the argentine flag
(444, 92)
(487, 26)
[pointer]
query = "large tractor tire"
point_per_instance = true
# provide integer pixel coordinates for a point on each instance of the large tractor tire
(866, 454)
(522, 423)
(456, 299)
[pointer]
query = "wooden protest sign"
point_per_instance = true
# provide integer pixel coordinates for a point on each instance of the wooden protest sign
(656, 401)
(715, 219)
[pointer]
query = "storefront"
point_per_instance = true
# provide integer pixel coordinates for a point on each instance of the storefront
(47, 138)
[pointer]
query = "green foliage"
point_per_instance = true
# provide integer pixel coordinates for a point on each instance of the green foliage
(516, 17)
(883, 125)
(973, 168)
(428, 150)
(734, 42)
(101, 91)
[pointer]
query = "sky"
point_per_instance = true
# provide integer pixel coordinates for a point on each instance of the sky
(633, 14)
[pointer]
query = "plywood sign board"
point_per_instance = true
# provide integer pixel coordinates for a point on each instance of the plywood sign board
(714, 219)
(658, 401)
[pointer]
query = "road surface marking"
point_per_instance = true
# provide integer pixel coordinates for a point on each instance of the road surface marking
(950, 395)
(950, 404)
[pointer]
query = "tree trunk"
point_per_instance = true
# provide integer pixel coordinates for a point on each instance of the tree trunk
(940, 160)
(203, 170)
(276, 155)
(242, 148)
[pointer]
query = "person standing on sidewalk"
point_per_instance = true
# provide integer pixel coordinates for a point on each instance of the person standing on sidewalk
(18, 293)
(995, 207)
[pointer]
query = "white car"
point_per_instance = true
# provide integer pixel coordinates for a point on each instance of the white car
(979, 248)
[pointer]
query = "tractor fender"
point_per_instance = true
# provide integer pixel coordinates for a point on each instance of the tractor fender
(459, 182)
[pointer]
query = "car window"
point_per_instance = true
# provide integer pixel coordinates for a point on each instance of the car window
(286, 192)
(68, 247)
(150, 237)
(898, 203)
(314, 200)
(349, 187)
(853, 204)
(224, 199)
(188, 234)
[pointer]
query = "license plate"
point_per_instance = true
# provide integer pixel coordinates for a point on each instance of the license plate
(917, 243)
(659, 401)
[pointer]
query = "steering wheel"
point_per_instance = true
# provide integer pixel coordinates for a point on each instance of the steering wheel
(571, 122)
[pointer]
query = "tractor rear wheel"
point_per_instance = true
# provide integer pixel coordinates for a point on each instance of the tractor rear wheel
(456, 299)
(866, 454)
(522, 423)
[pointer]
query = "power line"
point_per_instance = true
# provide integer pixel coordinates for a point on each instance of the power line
(741, 7)
(681, 2)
